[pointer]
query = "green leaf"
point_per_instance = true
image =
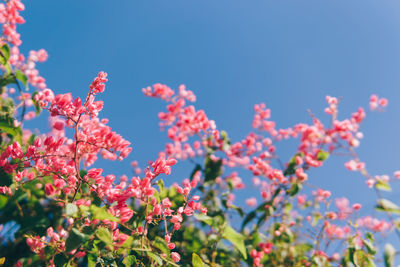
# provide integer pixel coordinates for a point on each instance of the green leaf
(60, 259)
(370, 247)
(7, 79)
(197, 261)
(383, 185)
(102, 214)
(322, 155)
(36, 104)
(212, 169)
(75, 239)
(155, 257)
(389, 254)
(129, 260)
(250, 216)
(104, 235)
(388, 206)
(204, 218)
(71, 209)
(5, 126)
(294, 189)
(21, 77)
(5, 54)
(3, 201)
(92, 260)
(196, 169)
(161, 245)
(236, 239)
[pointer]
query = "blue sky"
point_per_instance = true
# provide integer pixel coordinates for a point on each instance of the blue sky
(232, 54)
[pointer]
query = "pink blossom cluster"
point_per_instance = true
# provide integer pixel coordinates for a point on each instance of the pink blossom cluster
(265, 249)
(10, 17)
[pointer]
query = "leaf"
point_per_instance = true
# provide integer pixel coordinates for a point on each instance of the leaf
(6, 127)
(250, 216)
(21, 77)
(388, 206)
(3, 201)
(60, 259)
(5, 54)
(389, 254)
(2, 260)
(370, 247)
(322, 155)
(383, 185)
(161, 245)
(236, 239)
(204, 218)
(129, 260)
(195, 170)
(197, 261)
(155, 257)
(290, 170)
(71, 209)
(75, 239)
(92, 260)
(102, 214)
(36, 104)
(104, 235)
(7, 79)
(294, 189)
(212, 169)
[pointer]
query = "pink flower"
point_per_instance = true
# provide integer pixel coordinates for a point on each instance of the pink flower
(175, 256)
(251, 202)
(49, 189)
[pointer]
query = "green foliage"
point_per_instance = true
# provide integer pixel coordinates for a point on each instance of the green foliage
(236, 239)
(322, 155)
(389, 254)
(212, 169)
(75, 239)
(197, 261)
(387, 206)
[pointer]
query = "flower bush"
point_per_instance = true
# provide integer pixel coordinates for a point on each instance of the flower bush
(56, 209)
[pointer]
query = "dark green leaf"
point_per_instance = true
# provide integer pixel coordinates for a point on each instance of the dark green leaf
(75, 239)
(212, 169)
(250, 216)
(60, 260)
(7, 79)
(370, 247)
(195, 170)
(294, 189)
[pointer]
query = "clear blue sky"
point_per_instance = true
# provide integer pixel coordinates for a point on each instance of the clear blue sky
(232, 54)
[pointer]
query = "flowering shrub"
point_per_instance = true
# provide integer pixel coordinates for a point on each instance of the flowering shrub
(64, 212)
